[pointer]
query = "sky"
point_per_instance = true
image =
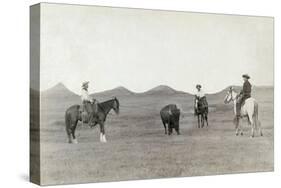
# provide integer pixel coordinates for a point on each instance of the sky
(141, 49)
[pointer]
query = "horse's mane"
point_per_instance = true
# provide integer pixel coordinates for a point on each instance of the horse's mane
(108, 101)
(233, 89)
(104, 104)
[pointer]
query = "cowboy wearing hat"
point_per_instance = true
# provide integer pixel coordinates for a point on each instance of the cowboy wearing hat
(87, 102)
(200, 96)
(244, 94)
(85, 97)
(199, 93)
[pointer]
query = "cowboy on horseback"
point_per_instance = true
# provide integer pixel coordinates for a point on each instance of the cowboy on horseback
(244, 94)
(89, 105)
(201, 106)
(199, 96)
(244, 106)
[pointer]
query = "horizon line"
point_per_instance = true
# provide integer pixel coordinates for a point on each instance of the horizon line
(234, 85)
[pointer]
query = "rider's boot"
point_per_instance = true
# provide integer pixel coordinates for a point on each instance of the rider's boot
(84, 116)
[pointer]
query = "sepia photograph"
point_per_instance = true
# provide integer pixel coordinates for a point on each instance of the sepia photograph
(129, 94)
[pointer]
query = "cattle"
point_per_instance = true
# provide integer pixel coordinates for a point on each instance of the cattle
(170, 115)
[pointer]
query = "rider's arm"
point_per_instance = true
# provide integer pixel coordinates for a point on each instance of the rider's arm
(243, 89)
(85, 96)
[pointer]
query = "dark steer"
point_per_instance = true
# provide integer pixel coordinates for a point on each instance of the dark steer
(170, 115)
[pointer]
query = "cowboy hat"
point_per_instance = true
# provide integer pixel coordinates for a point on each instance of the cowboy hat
(246, 76)
(198, 86)
(85, 84)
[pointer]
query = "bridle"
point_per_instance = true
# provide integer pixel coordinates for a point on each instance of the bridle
(116, 108)
(232, 98)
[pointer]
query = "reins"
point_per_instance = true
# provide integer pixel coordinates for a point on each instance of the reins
(105, 103)
(231, 94)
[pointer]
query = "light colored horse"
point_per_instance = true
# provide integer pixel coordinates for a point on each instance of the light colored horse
(249, 110)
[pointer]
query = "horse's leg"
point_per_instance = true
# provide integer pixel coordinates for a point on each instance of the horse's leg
(202, 121)
(102, 132)
(252, 123)
(241, 128)
(198, 117)
(237, 125)
(68, 124)
(178, 130)
(259, 125)
(206, 118)
(68, 129)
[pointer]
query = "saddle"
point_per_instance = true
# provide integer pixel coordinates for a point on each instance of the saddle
(88, 111)
(202, 104)
(241, 100)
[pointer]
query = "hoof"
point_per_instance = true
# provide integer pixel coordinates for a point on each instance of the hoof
(74, 141)
(102, 138)
(241, 134)
(236, 134)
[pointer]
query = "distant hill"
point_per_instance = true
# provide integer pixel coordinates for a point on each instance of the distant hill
(162, 89)
(59, 91)
(116, 92)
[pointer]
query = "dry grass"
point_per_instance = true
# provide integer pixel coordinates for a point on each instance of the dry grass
(138, 149)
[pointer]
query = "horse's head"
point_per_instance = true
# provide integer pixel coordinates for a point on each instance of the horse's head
(116, 105)
(230, 95)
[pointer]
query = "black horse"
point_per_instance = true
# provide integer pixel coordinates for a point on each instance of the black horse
(73, 115)
(201, 111)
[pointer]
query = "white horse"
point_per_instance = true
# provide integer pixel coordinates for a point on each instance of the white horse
(249, 110)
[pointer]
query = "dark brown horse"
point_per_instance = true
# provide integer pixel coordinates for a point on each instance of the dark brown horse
(201, 111)
(73, 115)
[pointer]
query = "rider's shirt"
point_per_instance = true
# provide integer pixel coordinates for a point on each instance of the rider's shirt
(85, 95)
(200, 94)
(247, 89)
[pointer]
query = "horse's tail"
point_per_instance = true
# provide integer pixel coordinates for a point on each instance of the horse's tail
(256, 115)
(67, 120)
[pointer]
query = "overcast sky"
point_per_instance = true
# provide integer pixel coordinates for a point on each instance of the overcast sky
(141, 49)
